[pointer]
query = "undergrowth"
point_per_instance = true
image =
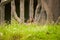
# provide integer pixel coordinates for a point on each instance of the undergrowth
(15, 31)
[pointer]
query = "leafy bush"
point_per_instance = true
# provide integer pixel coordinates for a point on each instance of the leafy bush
(32, 31)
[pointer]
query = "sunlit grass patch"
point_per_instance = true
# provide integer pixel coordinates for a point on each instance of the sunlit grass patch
(15, 31)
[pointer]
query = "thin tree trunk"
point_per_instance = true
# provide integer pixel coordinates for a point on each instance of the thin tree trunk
(31, 10)
(22, 10)
(37, 11)
(13, 11)
(2, 13)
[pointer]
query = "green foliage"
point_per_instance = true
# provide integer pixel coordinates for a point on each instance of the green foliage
(29, 31)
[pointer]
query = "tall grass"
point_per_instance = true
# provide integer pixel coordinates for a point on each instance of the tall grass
(15, 31)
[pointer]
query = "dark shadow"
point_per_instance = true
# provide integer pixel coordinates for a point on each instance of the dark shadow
(35, 4)
(26, 6)
(8, 12)
(17, 4)
(0, 0)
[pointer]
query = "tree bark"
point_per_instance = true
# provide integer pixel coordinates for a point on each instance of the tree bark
(13, 12)
(22, 10)
(2, 13)
(40, 14)
(31, 10)
(5, 2)
(48, 11)
(55, 8)
(37, 11)
(43, 13)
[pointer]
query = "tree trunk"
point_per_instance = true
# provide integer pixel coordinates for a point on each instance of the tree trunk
(48, 11)
(43, 12)
(2, 13)
(55, 8)
(37, 11)
(22, 10)
(13, 12)
(31, 10)
(40, 14)
(52, 9)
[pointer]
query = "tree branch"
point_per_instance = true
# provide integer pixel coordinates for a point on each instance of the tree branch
(5, 2)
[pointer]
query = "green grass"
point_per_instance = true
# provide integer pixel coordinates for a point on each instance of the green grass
(32, 31)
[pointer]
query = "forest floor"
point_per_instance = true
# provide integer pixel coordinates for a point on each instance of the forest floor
(32, 31)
